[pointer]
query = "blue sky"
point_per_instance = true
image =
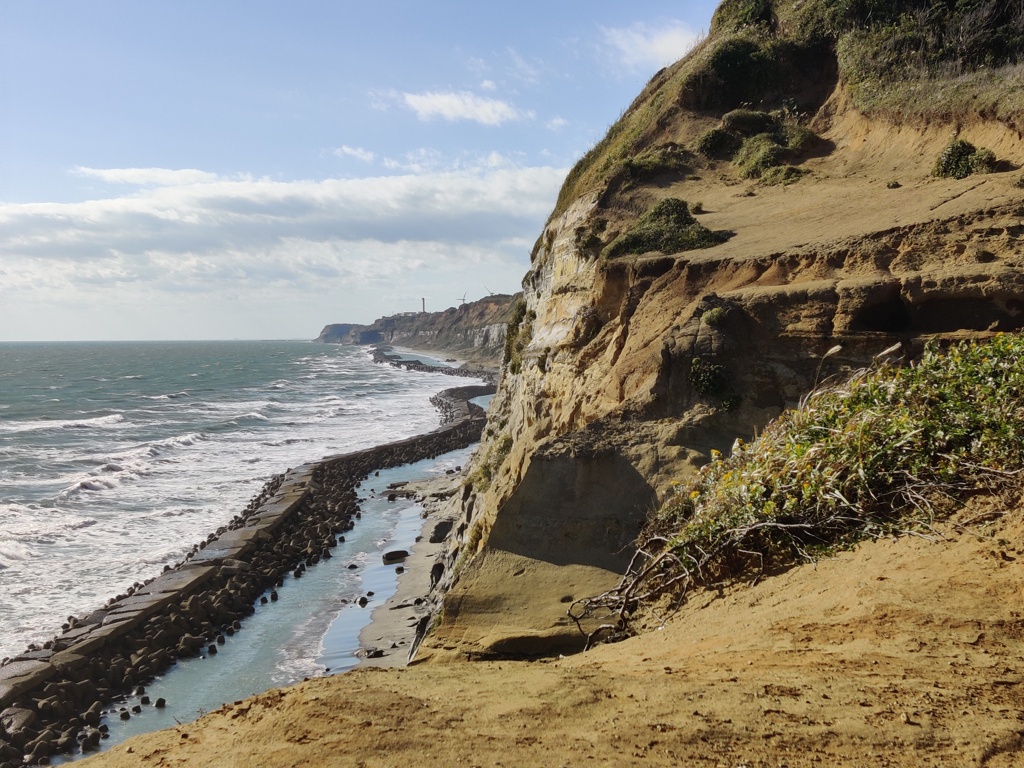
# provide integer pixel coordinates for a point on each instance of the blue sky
(256, 169)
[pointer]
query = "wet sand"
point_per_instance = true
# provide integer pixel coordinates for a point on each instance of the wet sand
(392, 626)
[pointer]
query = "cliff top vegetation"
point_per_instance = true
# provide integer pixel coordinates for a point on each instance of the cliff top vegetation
(905, 60)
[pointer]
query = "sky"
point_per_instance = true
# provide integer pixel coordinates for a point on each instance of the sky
(223, 169)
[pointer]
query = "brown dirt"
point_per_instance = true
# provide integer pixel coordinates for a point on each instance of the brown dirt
(907, 652)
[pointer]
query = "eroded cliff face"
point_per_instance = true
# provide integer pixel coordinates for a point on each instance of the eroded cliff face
(636, 368)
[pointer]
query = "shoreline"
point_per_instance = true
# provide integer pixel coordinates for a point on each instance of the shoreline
(395, 625)
(53, 699)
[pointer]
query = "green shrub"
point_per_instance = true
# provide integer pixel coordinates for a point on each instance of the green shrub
(671, 159)
(984, 161)
(668, 227)
(961, 158)
(719, 144)
(797, 138)
(782, 174)
(735, 69)
(758, 154)
(749, 122)
(888, 451)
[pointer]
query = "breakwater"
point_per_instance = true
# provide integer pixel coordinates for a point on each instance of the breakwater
(53, 699)
(383, 354)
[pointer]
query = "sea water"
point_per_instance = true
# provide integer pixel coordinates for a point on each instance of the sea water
(312, 630)
(115, 458)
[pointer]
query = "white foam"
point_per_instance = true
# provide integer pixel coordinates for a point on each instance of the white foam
(12, 551)
(96, 422)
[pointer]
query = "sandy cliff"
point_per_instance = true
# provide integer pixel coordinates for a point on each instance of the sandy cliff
(629, 370)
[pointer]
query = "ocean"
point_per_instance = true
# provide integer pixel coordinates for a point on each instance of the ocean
(115, 458)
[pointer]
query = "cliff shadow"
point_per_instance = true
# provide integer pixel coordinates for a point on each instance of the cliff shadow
(576, 510)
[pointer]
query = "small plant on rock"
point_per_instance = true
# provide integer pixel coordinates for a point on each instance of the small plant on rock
(707, 379)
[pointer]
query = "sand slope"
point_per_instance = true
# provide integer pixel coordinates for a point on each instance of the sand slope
(907, 652)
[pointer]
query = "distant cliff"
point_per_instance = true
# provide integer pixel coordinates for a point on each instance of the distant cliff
(475, 330)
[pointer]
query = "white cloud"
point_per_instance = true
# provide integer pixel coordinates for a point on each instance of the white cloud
(357, 152)
(556, 123)
(180, 250)
(648, 47)
(522, 69)
(488, 85)
(419, 161)
(147, 177)
(462, 105)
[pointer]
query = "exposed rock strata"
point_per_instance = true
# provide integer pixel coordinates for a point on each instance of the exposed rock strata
(657, 359)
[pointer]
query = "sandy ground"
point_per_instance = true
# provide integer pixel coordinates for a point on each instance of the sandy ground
(901, 653)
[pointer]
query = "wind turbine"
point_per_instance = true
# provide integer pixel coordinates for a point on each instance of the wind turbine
(463, 299)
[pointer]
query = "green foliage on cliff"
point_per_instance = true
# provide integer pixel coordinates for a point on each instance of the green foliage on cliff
(732, 15)
(517, 336)
(887, 451)
(961, 158)
(707, 378)
(759, 143)
(718, 144)
(647, 165)
(925, 58)
(668, 227)
(915, 36)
